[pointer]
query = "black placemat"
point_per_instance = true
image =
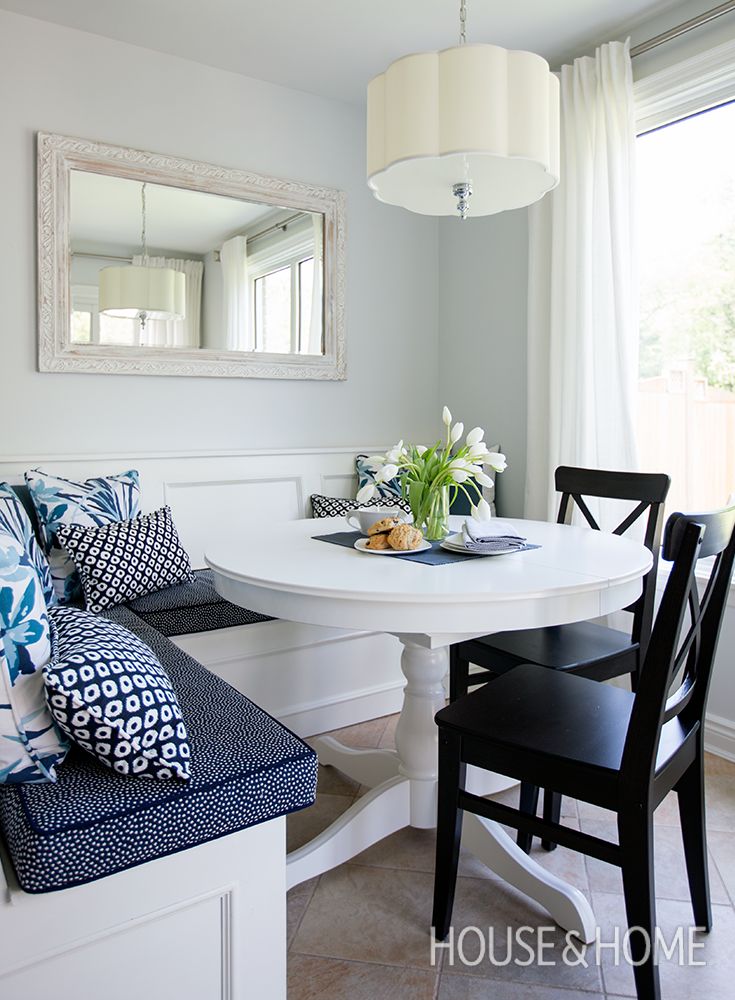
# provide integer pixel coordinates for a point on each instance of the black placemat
(436, 556)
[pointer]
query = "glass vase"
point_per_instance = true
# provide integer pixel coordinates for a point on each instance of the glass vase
(430, 509)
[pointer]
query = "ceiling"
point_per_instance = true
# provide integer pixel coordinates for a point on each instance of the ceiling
(333, 47)
(106, 213)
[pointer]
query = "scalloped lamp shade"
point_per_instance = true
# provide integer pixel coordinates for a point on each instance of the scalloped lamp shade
(155, 292)
(473, 113)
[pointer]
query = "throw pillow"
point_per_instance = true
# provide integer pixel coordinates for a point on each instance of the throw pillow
(92, 502)
(14, 519)
(322, 506)
(108, 691)
(30, 744)
(126, 559)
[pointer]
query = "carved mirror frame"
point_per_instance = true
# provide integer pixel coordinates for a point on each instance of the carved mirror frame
(58, 155)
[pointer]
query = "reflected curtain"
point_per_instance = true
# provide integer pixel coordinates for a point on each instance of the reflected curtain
(582, 296)
(184, 332)
(314, 341)
(238, 325)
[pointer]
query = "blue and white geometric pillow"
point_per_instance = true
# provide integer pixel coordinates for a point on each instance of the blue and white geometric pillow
(126, 559)
(90, 503)
(15, 520)
(108, 691)
(30, 743)
(390, 490)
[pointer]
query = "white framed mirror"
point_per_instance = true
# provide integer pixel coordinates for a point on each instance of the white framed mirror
(155, 265)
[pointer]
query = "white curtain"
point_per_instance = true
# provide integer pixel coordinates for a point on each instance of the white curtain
(582, 296)
(184, 332)
(314, 341)
(238, 326)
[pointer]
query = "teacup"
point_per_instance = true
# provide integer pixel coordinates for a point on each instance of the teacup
(364, 518)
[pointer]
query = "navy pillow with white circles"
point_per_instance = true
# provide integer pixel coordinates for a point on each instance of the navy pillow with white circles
(120, 561)
(322, 506)
(108, 692)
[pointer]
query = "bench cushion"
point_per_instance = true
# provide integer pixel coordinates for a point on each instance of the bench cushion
(192, 607)
(246, 768)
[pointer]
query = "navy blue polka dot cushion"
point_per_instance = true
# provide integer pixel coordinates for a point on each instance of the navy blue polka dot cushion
(110, 694)
(245, 767)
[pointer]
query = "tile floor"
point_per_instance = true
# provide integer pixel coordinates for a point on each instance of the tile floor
(361, 930)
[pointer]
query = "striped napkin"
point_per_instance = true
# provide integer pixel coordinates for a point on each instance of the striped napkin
(495, 535)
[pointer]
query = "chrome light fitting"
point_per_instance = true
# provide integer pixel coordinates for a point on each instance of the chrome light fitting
(141, 291)
(474, 121)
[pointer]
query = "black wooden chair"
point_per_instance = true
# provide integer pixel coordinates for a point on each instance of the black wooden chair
(581, 647)
(604, 745)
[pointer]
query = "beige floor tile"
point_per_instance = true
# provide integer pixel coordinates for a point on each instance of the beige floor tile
(297, 900)
(334, 782)
(311, 978)
(388, 739)
(671, 874)
(714, 764)
(369, 915)
(713, 981)
(455, 987)
(302, 826)
(720, 795)
(364, 734)
(484, 904)
(722, 849)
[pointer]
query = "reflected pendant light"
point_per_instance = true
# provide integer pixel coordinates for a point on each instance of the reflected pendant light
(141, 291)
(473, 129)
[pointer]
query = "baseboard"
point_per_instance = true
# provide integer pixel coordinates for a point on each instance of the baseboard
(719, 736)
(336, 713)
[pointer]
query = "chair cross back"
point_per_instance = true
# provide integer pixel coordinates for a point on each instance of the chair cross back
(649, 489)
(688, 539)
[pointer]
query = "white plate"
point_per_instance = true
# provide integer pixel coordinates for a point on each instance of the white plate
(361, 546)
(454, 543)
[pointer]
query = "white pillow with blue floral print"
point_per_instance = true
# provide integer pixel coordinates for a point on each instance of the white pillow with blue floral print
(31, 745)
(91, 503)
(14, 519)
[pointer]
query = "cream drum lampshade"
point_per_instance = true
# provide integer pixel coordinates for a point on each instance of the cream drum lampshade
(138, 291)
(470, 126)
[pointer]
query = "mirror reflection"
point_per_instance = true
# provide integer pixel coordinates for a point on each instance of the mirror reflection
(157, 266)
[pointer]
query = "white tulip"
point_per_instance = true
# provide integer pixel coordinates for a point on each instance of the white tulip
(474, 470)
(375, 461)
(367, 492)
(484, 480)
(386, 473)
(475, 436)
(421, 448)
(496, 461)
(456, 433)
(459, 475)
(446, 416)
(481, 511)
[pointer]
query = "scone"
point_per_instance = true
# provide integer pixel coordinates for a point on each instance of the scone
(378, 541)
(405, 536)
(384, 524)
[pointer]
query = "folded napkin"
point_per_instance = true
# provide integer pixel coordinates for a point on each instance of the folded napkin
(495, 535)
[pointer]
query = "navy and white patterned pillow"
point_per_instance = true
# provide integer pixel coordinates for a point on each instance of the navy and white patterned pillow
(15, 520)
(30, 744)
(92, 502)
(126, 559)
(322, 506)
(109, 693)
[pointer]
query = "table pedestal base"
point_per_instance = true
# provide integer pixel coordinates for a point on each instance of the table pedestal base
(403, 786)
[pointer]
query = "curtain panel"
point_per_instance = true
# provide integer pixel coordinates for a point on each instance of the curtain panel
(582, 291)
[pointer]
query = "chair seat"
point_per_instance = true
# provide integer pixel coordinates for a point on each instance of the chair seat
(533, 712)
(562, 647)
(246, 768)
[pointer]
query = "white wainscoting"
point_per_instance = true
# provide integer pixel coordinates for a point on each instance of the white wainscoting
(312, 678)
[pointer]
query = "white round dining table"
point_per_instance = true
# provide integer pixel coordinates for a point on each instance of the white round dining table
(282, 570)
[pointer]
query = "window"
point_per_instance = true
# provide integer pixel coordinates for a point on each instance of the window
(282, 277)
(89, 326)
(686, 230)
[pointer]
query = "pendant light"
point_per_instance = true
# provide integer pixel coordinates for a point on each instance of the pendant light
(472, 129)
(142, 291)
